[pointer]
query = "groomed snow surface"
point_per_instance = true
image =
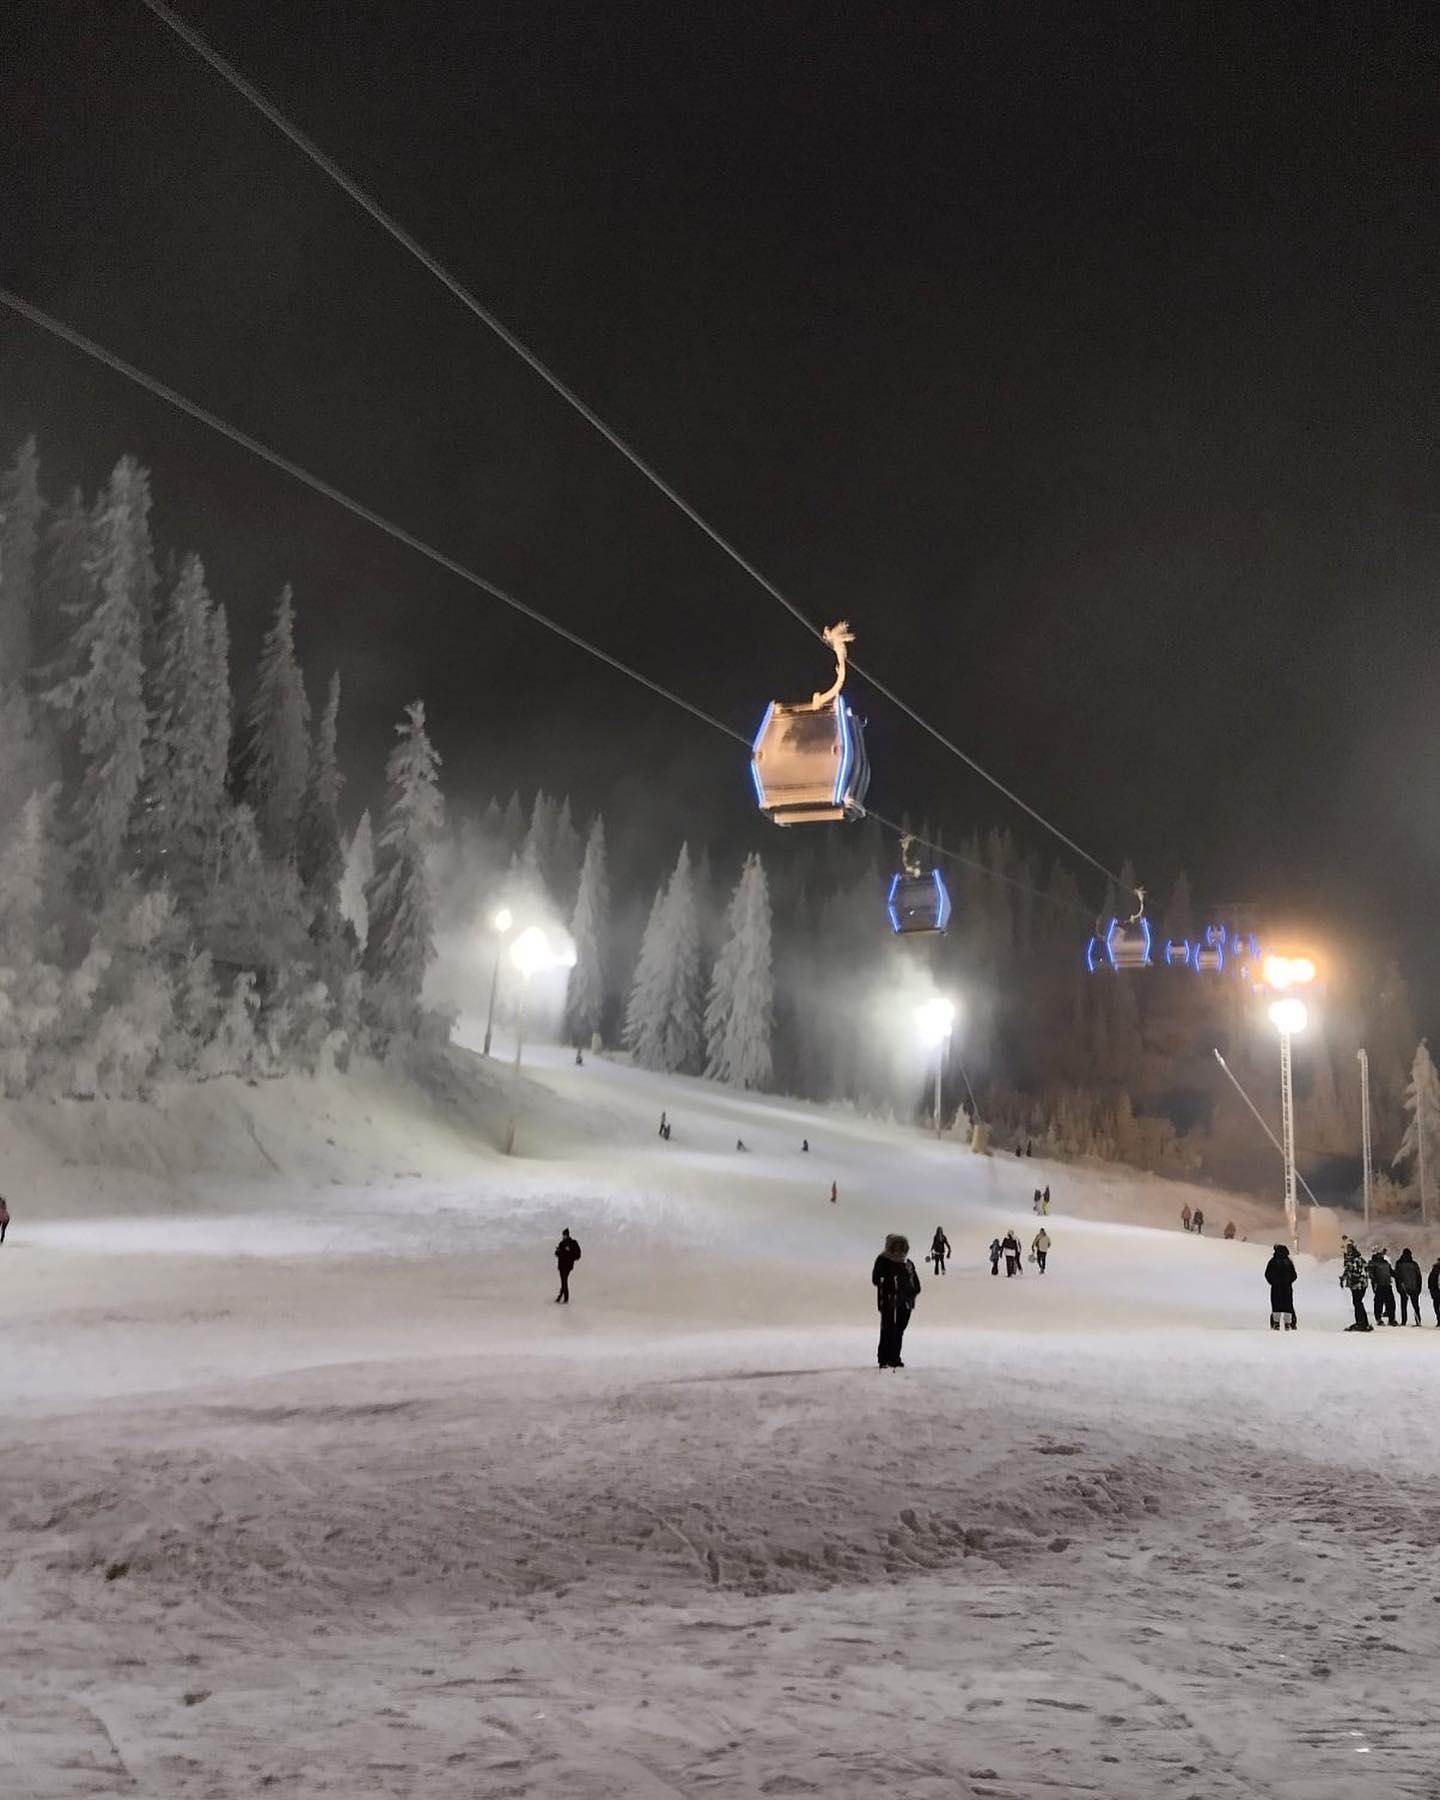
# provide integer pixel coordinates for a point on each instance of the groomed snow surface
(308, 1488)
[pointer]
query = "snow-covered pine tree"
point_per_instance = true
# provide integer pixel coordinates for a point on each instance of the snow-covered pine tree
(640, 1034)
(358, 873)
(667, 1031)
(565, 853)
(321, 856)
(513, 826)
(401, 897)
(277, 761)
(538, 850)
(1421, 1142)
(24, 868)
(20, 506)
(590, 927)
(740, 1013)
(101, 694)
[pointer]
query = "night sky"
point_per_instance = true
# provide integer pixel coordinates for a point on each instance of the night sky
(1083, 356)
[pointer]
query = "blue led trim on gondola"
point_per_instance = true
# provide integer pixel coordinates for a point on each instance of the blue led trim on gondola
(890, 904)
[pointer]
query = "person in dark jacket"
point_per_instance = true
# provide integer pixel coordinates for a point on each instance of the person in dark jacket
(1382, 1287)
(1280, 1273)
(567, 1254)
(897, 1287)
(1355, 1278)
(996, 1252)
(939, 1249)
(5, 1226)
(1434, 1285)
(1197, 1222)
(1408, 1280)
(1011, 1247)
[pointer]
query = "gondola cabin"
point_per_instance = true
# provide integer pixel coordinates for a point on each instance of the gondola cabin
(809, 764)
(1124, 945)
(918, 903)
(1178, 952)
(1210, 951)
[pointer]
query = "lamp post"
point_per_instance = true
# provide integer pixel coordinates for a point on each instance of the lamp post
(1364, 1059)
(935, 1020)
(1288, 1015)
(532, 952)
(502, 922)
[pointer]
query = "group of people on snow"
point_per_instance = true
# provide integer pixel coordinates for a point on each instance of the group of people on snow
(1007, 1249)
(1384, 1280)
(1041, 1203)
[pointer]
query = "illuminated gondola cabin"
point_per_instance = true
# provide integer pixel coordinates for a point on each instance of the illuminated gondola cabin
(1124, 944)
(808, 760)
(1177, 953)
(1210, 951)
(918, 902)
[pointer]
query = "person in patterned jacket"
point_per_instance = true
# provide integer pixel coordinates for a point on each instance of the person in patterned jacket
(1355, 1277)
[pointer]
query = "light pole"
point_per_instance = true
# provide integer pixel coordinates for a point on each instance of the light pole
(935, 1019)
(531, 953)
(1288, 1015)
(1364, 1059)
(502, 922)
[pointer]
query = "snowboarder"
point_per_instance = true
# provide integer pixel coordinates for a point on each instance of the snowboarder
(1229, 1231)
(897, 1287)
(1433, 1283)
(1011, 1247)
(1408, 1280)
(1382, 1290)
(995, 1255)
(1045, 1204)
(1185, 1216)
(834, 1193)
(1280, 1273)
(1040, 1249)
(567, 1254)
(1356, 1278)
(5, 1226)
(939, 1249)
(1197, 1223)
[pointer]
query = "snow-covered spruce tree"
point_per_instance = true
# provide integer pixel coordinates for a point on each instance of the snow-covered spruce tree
(186, 752)
(401, 899)
(25, 864)
(101, 694)
(664, 1022)
(563, 875)
(358, 873)
(320, 853)
(537, 851)
(1421, 1142)
(742, 991)
(277, 754)
(590, 927)
(20, 507)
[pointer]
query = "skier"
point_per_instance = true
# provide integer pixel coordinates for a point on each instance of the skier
(567, 1254)
(1280, 1273)
(995, 1254)
(5, 1226)
(1197, 1223)
(897, 1287)
(1433, 1284)
(1382, 1278)
(1355, 1277)
(1011, 1247)
(1045, 1204)
(1229, 1231)
(939, 1249)
(1185, 1216)
(1408, 1280)
(1040, 1249)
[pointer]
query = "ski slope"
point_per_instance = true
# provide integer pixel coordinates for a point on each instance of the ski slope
(310, 1489)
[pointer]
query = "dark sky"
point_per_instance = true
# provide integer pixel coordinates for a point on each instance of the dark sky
(1083, 356)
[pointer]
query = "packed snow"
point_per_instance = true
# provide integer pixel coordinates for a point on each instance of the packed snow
(310, 1488)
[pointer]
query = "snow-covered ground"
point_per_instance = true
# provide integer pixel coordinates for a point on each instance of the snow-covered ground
(308, 1488)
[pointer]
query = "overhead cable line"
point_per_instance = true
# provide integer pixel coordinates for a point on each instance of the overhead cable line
(969, 862)
(347, 183)
(57, 328)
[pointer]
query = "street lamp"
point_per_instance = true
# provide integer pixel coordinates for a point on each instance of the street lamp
(501, 923)
(532, 953)
(1289, 1016)
(935, 1020)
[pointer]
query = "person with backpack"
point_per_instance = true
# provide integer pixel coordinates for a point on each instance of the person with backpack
(567, 1254)
(1010, 1244)
(996, 1252)
(1433, 1284)
(1040, 1249)
(1280, 1273)
(1408, 1280)
(1355, 1278)
(897, 1288)
(1382, 1287)
(939, 1249)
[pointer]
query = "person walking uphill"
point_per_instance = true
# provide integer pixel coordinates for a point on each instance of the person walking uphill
(567, 1254)
(939, 1249)
(1280, 1273)
(897, 1287)
(1355, 1278)
(1011, 1247)
(996, 1252)
(1408, 1280)
(1040, 1249)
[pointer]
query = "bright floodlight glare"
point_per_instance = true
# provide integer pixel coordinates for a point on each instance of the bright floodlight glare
(1288, 971)
(1289, 1016)
(935, 1019)
(530, 952)
(503, 919)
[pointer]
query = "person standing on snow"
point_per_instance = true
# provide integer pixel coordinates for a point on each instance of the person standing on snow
(1408, 1280)
(567, 1254)
(1011, 1247)
(1382, 1290)
(1185, 1216)
(5, 1226)
(1280, 1273)
(897, 1288)
(939, 1249)
(1197, 1222)
(664, 1130)
(1229, 1232)
(1040, 1249)
(996, 1252)
(1045, 1204)
(1355, 1277)
(1434, 1286)
(1035, 1204)
(834, 1192)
